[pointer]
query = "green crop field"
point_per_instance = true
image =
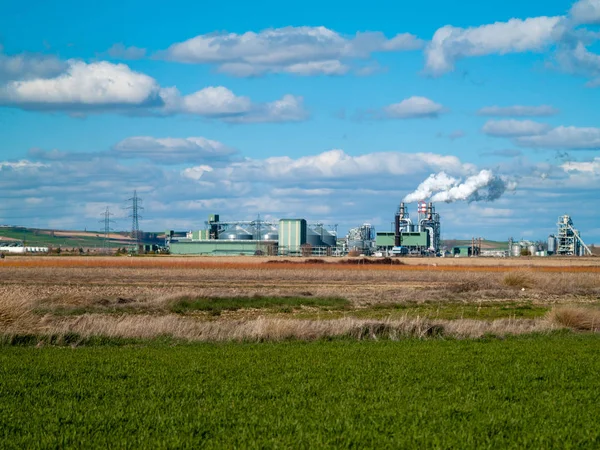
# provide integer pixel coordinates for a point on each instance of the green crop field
(526, 392)
(40, 238)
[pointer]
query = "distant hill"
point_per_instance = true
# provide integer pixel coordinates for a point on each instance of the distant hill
(37, 237)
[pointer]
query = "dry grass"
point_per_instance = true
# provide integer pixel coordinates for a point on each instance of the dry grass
(519, 279)
(273, 329)
(117, 296)
(589, 265)
(577, 318)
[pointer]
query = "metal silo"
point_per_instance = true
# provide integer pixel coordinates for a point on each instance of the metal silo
(551, 244)
(313, 237)
(329, 238)
(236, 233)
(271, 234)
(516, 250)
(532, 249)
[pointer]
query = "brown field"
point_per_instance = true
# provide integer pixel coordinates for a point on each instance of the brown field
(88, 234)
(136, 297)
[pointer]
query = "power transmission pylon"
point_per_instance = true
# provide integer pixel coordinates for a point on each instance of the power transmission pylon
(136, 207)
(107, 229)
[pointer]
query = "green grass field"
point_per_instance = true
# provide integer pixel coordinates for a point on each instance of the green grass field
(41, 238)
(527, 392)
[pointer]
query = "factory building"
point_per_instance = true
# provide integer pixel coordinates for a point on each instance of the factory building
(419, 237)
(19, 247)
(566, 242)
(361, 239)
(290, 237)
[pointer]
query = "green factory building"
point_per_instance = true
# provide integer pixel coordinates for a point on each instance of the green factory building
(413, 240)
(287, 237)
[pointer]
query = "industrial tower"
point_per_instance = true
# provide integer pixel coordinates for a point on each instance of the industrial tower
(136, 207)
(107, 229)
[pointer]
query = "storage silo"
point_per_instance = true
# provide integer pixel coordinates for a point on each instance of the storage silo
(270, 234)
(532, 249)
(329, 238)
(236, 233)
(516, 250)
(292, 235)
(551, 244)
(313, 237)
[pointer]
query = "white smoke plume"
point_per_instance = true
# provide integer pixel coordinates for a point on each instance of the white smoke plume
(484, 186)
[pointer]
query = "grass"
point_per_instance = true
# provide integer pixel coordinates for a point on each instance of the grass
(216, 305)
(529, 392)
(210, 299)
(519, 279)
(455, 310)
(584, 319)
(40, 238)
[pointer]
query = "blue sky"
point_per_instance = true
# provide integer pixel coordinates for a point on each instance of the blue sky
(332, 111)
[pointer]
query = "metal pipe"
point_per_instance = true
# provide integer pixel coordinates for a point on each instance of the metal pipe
(580, 240)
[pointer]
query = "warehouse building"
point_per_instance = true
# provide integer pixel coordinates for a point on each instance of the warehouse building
(292, 237)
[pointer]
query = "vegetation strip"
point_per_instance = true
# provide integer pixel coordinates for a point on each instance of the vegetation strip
(216, 305)
(530, 392)
(164, 262)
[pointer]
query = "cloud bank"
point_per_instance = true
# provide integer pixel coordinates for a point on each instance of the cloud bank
(293, 50)
(106, 87)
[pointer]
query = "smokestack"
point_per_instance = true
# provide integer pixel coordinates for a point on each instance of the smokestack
(397, 226)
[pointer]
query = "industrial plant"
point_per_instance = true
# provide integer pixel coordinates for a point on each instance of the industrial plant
(293, 237)
(297, 237)
(419, 235)
(566, 242)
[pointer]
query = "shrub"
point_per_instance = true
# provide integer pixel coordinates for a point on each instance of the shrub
(518, 280)
(578, 318)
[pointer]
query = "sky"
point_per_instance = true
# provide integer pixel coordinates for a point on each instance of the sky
(330, 111)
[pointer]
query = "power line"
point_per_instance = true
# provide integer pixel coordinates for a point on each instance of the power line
(136, 207)
(107, 229)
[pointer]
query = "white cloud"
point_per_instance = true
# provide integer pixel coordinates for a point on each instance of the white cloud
(588, 166)
(20, 165)
(298, 50)
(450, 44)
(518, 111)
(222, 103)
(317, 187)
(120, 51)
(99, 84)
(572, 138)
(195, 173)
(338, 165)
(210, 101)
(413, 107)
(289, 108)
(26, 66)
(586, 12)
(107, 87)
(514, 128)
(172, 150)
(580, 61)
(330, 67)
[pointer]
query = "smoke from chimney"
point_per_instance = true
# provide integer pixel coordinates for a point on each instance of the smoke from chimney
(484, 186)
